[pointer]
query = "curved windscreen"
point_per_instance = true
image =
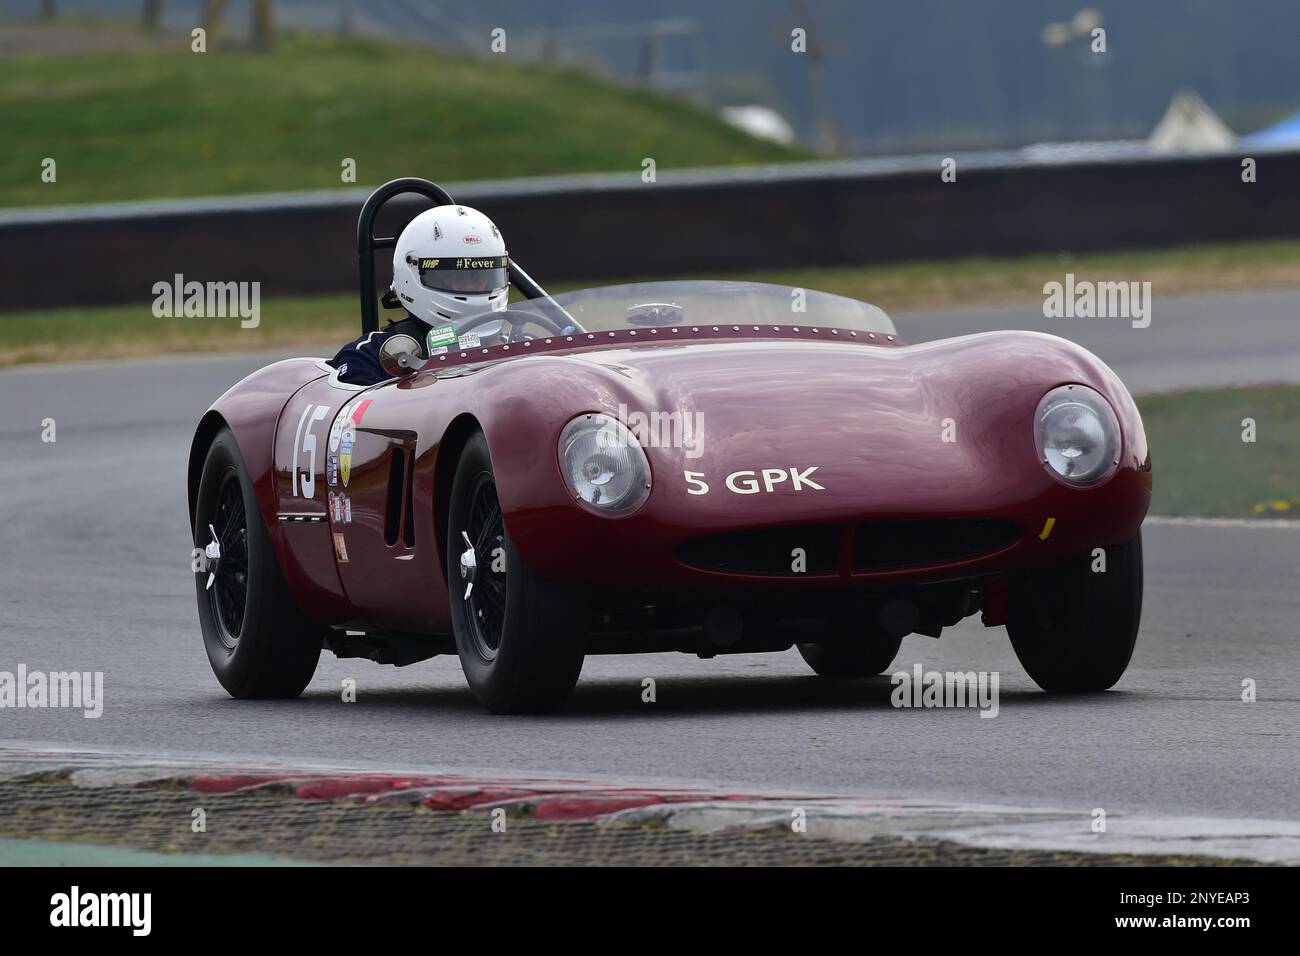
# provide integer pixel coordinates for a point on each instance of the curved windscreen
(677, 303)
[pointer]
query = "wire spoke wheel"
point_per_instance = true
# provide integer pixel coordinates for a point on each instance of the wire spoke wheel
(487, 599)
(521, 638)
(229, 591)
(258, 640)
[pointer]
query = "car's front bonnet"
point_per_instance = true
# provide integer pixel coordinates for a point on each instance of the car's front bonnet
(759, 435)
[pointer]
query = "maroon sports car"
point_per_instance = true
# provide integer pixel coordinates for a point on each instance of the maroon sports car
(707, 467)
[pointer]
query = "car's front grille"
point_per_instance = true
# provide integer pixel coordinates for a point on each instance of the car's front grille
(802, 550)
(877, 546)
(881, 545)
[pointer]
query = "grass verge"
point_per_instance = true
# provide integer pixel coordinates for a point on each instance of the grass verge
(1203, 468)
(323, 321)
(160, 121)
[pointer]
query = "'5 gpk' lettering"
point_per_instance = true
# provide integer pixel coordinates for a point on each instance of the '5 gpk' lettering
(765, 480)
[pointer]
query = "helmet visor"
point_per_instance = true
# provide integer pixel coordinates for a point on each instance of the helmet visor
(467, 276)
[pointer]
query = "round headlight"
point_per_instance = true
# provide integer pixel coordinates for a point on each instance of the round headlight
(1077, 434)
(604, 464)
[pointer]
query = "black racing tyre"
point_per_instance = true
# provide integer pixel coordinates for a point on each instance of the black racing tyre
(865, 654)
(259, 643)
(521, 639)
(1073, 629)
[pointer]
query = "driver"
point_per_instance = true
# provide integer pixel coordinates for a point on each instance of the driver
(450, 264)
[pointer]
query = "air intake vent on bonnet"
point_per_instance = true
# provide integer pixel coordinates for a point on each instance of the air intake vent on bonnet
(879, 545)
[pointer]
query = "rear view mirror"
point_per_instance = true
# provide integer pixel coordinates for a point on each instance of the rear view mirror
(656, 313)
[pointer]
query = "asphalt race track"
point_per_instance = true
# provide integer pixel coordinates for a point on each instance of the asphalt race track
(1206, 340)
(94, 575)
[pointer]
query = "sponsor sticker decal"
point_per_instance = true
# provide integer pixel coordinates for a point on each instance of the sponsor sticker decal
(350, 416)
(340, 549)
(332, 470)
(340, 508)
(346, 443)
(473, 240)
(442, 335)
(470, 341)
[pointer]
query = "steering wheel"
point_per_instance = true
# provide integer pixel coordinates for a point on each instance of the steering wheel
(515, 319)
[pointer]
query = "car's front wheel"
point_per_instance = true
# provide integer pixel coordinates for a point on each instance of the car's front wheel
(521, 638)
(258, 642)
(1073, 627)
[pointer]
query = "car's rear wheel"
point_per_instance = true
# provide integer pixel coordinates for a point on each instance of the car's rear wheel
(1073, 628)
(521, 638)
(866, 653)
(259, 643)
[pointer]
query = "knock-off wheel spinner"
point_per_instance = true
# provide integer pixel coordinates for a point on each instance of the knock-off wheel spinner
(213, 553)
(468, 564)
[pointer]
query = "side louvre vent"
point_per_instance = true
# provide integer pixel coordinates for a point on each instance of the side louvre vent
(393, 511)
(410, 500)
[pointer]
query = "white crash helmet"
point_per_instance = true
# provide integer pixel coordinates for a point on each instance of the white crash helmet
(450, 263)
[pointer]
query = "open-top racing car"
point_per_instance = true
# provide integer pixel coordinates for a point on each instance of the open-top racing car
(708, 467)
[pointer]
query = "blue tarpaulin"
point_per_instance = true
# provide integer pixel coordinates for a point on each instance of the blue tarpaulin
(1284, 133)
